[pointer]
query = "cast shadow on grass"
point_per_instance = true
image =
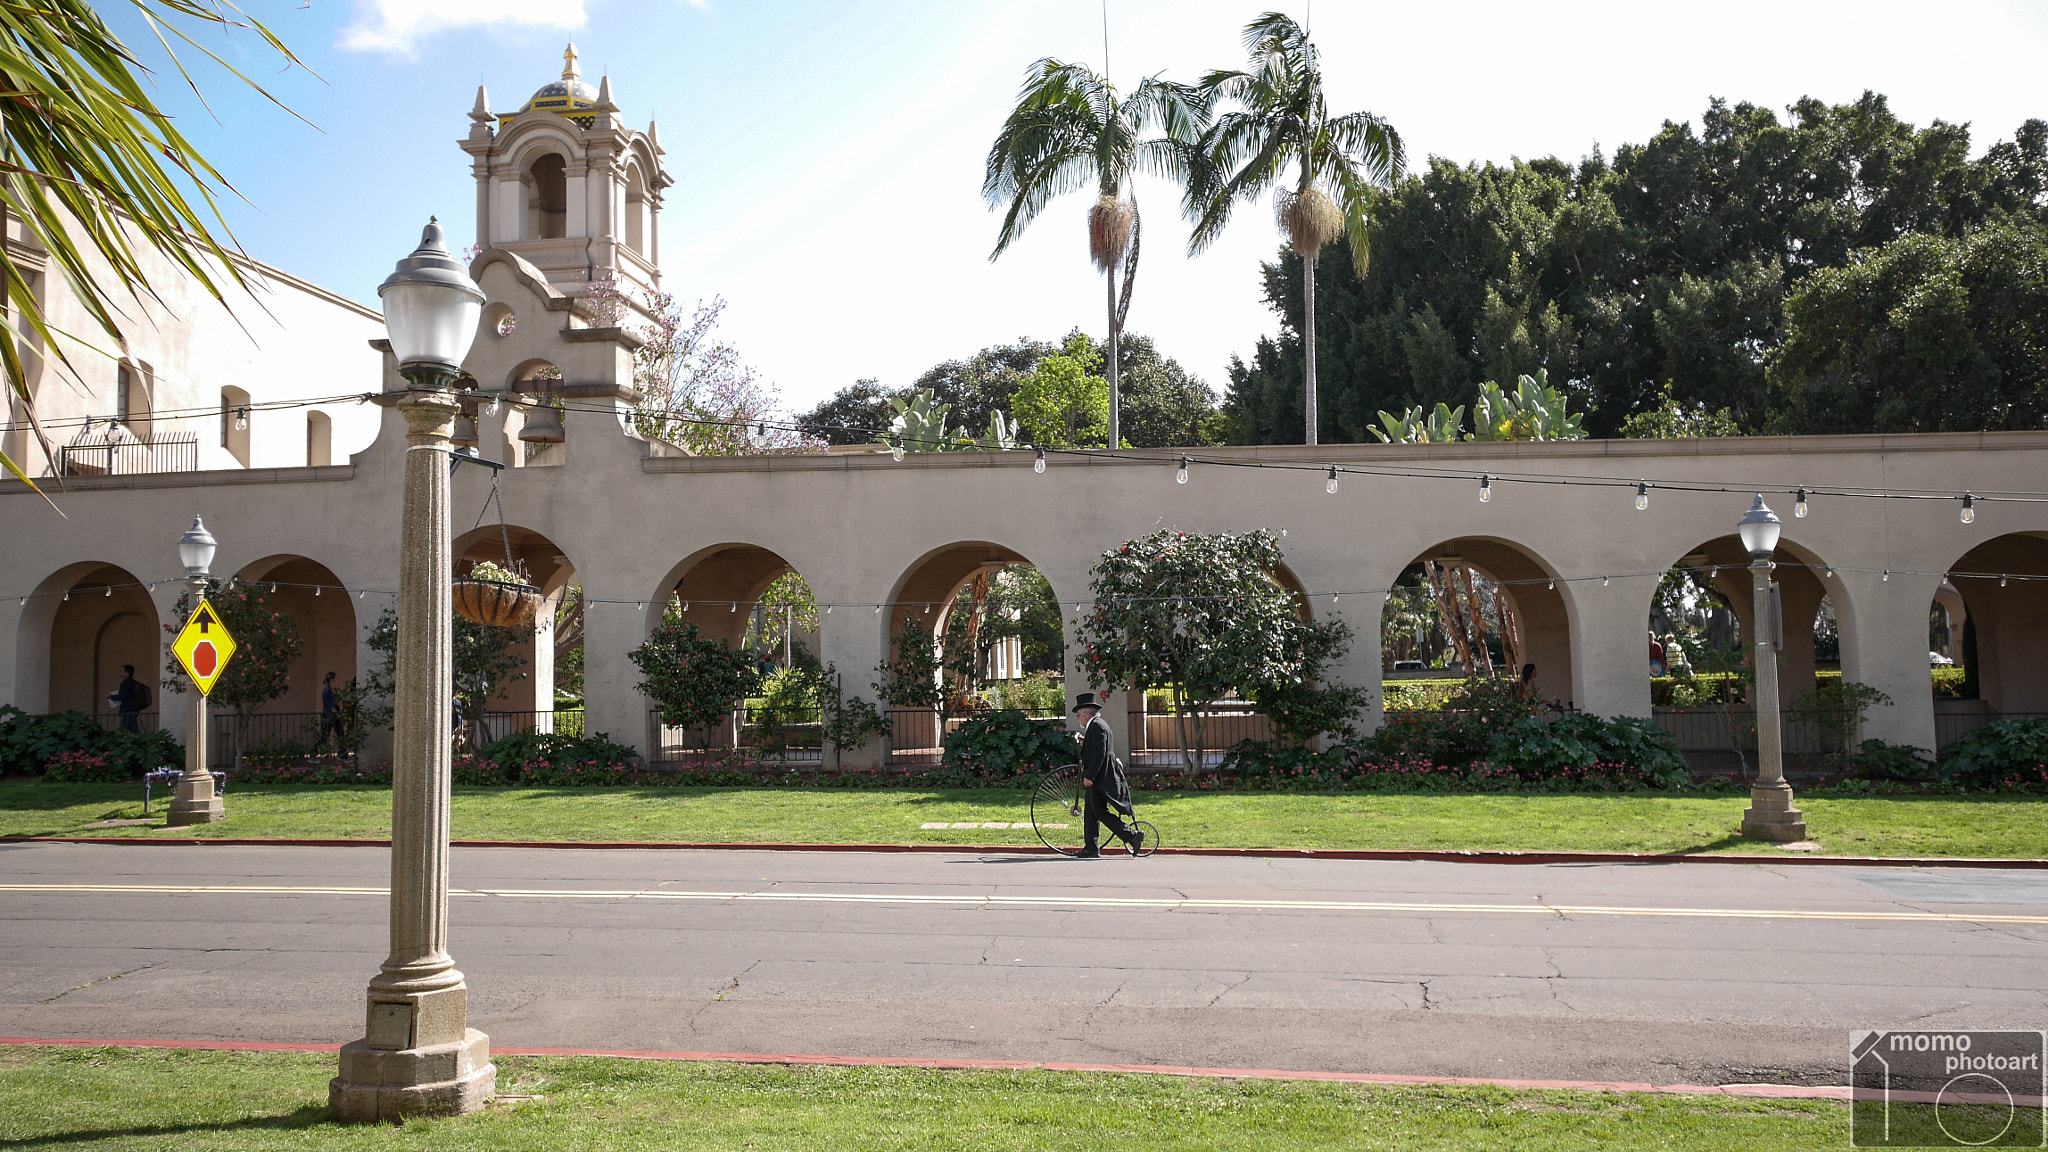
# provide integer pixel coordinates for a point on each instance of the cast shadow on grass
(305, 1116)
(1731, 840)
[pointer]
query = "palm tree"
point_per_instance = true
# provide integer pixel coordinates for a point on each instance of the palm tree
(1282, 121)
(92, 169)
(1070, 127)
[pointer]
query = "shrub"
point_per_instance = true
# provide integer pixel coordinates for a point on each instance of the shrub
(83, 768)
(1948, 683)
(1630, 748)
(695, 682)
(27, 741)
(1877, 760)
(2001, 755)
(1007, 743)
(276, 754)
(322, 772)
(548, 758)
(135, 753)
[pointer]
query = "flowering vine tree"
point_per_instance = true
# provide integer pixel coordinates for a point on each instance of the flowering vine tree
(266, 643)
(694, 681)
(695, 390)
(1202, 617)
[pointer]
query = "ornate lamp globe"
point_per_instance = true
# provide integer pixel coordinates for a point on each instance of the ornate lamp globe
(195, 549)
(1759, 528)
(431, 308)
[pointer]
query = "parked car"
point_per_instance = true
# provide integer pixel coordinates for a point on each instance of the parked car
(1937, 660)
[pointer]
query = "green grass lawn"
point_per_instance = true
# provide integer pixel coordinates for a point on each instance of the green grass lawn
(132, 1099)
(1849, 825)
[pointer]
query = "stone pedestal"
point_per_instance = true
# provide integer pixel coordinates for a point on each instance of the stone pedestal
(379, 1085)
(1771, 816)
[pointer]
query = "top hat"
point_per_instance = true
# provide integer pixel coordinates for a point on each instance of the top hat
(1087, 700)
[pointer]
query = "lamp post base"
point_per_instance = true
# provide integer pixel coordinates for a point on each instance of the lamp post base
(380, 1084)
(195, 802)
(1772, 817)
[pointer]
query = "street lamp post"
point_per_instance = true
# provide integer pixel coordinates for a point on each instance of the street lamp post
(1771, 815)
(195, 801)
(418, 1055)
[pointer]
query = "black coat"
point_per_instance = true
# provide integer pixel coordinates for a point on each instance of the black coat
(1099, 763)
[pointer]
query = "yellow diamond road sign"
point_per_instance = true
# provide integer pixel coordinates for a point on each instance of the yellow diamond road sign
(204, 647)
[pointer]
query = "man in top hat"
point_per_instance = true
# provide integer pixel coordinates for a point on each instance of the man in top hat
(1107, 794)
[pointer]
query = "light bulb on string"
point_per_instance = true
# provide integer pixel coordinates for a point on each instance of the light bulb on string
(2001, 580)
(1038, 465)
(1331, 485)
(1485, 489)
(67, 597)
(1181, 476)
(316, 590)
(1887, 575)
(1603, 581)
(1831, 573)
(1553, 583)
(1969, 508)
(878, 609)
(1799, 505)
(1642, 495)
(273, 588)
(896, 448)
(735, 607)
(686, 605)
(241, 419)
(492, 408)
(828, 609)
(110, 591)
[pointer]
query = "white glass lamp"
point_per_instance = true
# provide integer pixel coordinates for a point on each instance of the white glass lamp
(195, 549)
(1759, 528)
(431, 308)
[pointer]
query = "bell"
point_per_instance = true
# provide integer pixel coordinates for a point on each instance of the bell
(543, 425)
(464, 435)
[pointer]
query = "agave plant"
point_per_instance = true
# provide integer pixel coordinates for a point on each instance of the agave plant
(1443, 426)
(1534, 411)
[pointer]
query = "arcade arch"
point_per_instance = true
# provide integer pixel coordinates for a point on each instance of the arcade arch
(1484, 605)
(1995, 604)
(1705, 603)
(550, 673)
(83, 623)
(310, 593)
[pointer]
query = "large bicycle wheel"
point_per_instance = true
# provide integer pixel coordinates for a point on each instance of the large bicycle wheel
(1151, 838)
(1056, 809)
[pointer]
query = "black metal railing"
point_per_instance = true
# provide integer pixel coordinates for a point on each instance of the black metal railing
(481, 731)
(758, 734)
(919, 735)
(231, 736)
(144, 721)
(1159, 737)
(178, 452)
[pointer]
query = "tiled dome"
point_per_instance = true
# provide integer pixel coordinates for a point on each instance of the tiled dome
(569, 96)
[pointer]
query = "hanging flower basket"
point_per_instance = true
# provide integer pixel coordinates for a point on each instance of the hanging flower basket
(496, 604)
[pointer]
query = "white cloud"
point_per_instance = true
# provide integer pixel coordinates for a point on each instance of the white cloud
(398, 25)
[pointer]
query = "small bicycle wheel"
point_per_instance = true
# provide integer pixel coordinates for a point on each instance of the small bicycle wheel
(1151, 838)
(1056, 810)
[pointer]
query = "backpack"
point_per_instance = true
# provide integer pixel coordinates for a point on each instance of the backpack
(142, 696)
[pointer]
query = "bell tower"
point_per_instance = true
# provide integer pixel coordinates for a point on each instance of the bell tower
(563, 184)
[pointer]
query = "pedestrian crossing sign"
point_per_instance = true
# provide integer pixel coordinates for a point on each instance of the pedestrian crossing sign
(204, 647)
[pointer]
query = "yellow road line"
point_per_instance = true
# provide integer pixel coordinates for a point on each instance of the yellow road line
(966, 900)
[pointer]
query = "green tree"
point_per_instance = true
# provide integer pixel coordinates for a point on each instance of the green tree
(1925, 334)
(1071, 126)
(1202, 617)
(1671, 420)
(855, 414)
(1060, 404)
(1283, 121)
(787, 608)
(1163, 406)
(694, 681)
(484, 663)
(92, 169)
(909, 677)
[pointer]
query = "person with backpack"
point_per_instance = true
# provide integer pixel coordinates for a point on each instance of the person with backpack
(330, 717)
(1107, 793)
(129, 698)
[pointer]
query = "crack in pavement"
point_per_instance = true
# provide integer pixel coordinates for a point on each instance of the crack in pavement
(101, 980)
(734, 986)
(1227, 991)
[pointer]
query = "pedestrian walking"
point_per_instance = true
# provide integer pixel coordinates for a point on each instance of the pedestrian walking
(129, 698)
(330, 716)
(1106, 793)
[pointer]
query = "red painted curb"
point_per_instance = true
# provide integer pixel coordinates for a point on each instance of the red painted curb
(1447, 856)
(1773, 1091)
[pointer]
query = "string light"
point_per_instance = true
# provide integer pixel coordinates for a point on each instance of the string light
(1181, 477)
(1969, 508)
(896, 448)
(110, 591)
(1831, 572)
(1887, 575)
(1799, 505)
(1642, 495)
(1331, 486)
(878, 609)
(1603, 581)
(1553, 584)
(316, 590)
(67, 597)
(241, 419)
(735, 607)
(1038, 465)
(1485, 489)
(2001, 580)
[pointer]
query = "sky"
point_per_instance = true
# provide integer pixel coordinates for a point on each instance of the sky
(828, 154)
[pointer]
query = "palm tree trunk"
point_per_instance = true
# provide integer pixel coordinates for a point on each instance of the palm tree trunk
(1308, 333)
(1109, 278)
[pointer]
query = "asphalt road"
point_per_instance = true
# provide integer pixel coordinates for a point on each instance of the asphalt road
(1666, 973)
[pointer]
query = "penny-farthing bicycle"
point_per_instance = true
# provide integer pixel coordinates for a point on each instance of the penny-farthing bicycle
(1057, 817)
